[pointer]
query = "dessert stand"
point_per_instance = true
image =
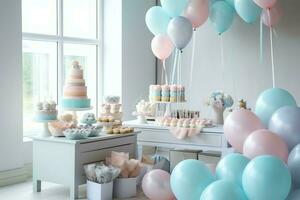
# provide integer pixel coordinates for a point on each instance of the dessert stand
(75, 110)
(45, 131)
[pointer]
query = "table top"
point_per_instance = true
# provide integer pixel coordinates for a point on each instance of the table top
(151, 125)
(102, 136)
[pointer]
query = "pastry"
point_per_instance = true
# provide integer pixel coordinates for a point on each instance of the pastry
(46, 111)
(165, 93)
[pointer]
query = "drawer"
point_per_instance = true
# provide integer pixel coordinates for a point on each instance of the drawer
(100, 155)
(106, 143)
(154, 136)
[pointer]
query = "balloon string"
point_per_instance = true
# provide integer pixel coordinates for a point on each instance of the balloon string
(192, 60)
(165, 72)
(272, 51)
(174, 66)
(222, 60)
(261, 40)
(162, 76)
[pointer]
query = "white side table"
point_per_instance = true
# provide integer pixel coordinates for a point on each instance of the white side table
(61, 161)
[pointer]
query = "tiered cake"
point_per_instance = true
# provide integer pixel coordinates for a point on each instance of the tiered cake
(75, 91)
(46, 111)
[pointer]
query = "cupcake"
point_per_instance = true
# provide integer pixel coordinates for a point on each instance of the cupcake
(186, 123)
(167, 122)
(116, 131)
(173, 93)
(180, 123)
(165, 93)
(174, 122)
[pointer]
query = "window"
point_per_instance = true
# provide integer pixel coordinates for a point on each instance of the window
(55, 33)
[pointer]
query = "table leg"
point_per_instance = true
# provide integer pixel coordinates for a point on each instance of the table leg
(139, 150)
(37, 185)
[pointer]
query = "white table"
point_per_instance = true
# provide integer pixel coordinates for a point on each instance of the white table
(61, 161)
(210, 139)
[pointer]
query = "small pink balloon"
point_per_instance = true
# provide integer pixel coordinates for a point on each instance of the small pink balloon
(266, 4)
(197, 12)
(156, 185)
(239, 125)
(274, 18)
(162, 46)
(265, 142)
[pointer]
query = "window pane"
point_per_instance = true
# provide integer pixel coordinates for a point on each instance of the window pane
(39, 78)
(86, 56)
(39, 16)
(80, 18)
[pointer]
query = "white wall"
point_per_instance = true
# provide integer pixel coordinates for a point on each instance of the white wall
(244, 75)
(11, 136)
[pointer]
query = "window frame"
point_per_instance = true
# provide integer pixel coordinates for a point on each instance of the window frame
(60, 39)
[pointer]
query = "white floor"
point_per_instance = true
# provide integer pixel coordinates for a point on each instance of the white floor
(23, 191)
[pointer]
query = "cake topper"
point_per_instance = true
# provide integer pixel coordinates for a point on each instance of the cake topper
(76, 65)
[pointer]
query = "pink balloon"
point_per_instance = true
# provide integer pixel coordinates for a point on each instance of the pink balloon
(197, 12)
(265, 142)
(239, 125)
(162, 46)
(275, 15)
(156, 185)
(266, 4)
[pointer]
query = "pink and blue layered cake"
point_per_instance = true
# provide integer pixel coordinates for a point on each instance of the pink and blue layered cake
(45, 111)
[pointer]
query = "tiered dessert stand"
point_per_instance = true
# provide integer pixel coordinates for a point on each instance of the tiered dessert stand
(45, 131)
(75, 110)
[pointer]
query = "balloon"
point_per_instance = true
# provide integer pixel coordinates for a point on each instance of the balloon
(231, 3)
(162, 46)
(174, 7)
(275, 15)
(286, 123)
(221, 15)
(266, 177)
(180, 31)
(223, 190)
(271, 100)
(266, 4)
(157, 20)
(189, 178)
(294, 165)
(156, 185)
(247, 10)
(295, 195)
(238, 125)
(264, 142)
(197, 12)
(231, 168)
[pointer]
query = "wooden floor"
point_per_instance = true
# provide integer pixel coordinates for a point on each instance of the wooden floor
(23, 191)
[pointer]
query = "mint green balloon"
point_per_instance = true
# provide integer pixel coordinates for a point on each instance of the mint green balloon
(157, 20)
(221, 16)
(223, 190)
(230, 2)
(247, 10)
(267, 178)
(269, 101)
(174, 7)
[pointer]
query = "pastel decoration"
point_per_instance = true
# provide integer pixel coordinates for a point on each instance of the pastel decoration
(294, 195)
(293, 164)
(197, 12)
(271, 17)
(162, 46)
(285, 123)
(223, 190)
(266, 4)
(269, 101)
(189, 179)
(156, 185)
(266, 177)
(221, 16)
(239, 125)
(230, 2)
(174, 7)
(75, 103)
(231, 168)
(180, 31)
(264, 142)
(247, 10)
(157, 20)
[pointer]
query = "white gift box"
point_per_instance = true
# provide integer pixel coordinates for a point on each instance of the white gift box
(96, 191)
(125, 188)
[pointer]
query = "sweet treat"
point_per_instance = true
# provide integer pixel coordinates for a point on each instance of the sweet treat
(88, 118)
(174, 122)
(165, 93)
(76, 133)
(112, 99)
(57, 128)
(173, 93)
(93, 130)
(181, 93)
(46, 111)
(155, 93)
(75, 91)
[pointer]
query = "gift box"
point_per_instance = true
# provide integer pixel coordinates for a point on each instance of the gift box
(178, 155)
(97, 191)
(125, 188)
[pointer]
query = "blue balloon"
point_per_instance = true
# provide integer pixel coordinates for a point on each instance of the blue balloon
(231, 168)
(189, 178)
(270, 101)
(231, 3)
(157, 20)
(247, 10)
(223, 190)
(294, 195)
(266, 177)
(221, 16)
(174, 7)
